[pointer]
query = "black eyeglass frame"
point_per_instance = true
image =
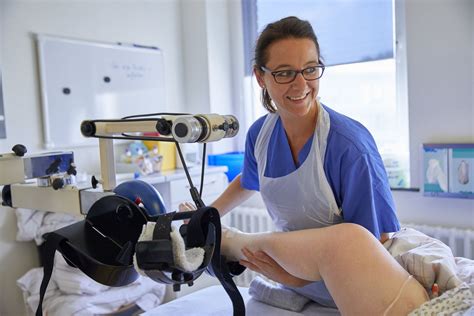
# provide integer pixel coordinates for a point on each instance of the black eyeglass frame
(275, 73)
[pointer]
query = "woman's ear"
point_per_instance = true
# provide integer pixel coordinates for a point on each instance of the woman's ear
(259, 76)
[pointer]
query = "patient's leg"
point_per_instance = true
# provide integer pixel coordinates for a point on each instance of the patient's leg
(360, 274)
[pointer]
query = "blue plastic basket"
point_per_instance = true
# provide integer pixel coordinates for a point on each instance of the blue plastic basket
(233, 160)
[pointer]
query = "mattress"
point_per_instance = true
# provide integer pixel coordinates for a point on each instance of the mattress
(213, 300)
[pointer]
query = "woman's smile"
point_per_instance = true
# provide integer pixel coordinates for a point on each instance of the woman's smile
(299, 97)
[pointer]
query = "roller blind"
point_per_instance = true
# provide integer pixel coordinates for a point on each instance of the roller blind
(349, 31)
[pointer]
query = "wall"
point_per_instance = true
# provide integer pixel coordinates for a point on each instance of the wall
(439, 52)
(209, 60)
(156, 23)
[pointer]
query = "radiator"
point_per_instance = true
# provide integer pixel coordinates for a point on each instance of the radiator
(251, 219)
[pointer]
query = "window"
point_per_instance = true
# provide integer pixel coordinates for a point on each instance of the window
(360, 81)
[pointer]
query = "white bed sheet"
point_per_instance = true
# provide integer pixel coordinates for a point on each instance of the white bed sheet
(214, 301)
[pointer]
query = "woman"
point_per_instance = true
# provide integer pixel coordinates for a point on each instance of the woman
(313, 166)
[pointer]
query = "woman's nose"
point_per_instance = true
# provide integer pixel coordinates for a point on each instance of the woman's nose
(299, 80)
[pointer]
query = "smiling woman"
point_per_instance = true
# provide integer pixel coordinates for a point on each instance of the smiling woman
(313, 166)
(358, 49)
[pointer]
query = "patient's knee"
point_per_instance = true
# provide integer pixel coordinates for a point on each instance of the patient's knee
(343, 239)
(348, 233)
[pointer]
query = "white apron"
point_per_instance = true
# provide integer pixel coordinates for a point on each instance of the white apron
(302, 199)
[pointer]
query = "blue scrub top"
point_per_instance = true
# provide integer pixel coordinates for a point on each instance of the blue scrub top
(352, 165)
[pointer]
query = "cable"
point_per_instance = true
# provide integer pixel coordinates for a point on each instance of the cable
(151, 114)
(194, 192)
(126, 136)
(202, 168)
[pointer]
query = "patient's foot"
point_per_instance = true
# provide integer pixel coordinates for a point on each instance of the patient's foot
(234, 240)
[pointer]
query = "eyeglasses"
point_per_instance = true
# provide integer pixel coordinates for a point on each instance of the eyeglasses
(287, 76)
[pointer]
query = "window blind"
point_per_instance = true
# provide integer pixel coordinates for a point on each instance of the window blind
(349, 31)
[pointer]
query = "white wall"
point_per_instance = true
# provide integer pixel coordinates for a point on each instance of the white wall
(156, 23)
(439, 43)
(209, 60)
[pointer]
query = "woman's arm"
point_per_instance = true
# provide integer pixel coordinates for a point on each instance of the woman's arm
(233, 196)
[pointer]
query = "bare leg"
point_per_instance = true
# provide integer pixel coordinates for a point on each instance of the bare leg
(360, 274)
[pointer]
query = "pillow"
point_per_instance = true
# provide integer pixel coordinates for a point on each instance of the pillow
(427, 259)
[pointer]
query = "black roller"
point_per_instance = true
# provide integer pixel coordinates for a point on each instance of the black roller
(88, 128)
(181, 130)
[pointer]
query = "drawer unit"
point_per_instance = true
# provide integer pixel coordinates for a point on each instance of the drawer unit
(214, 185)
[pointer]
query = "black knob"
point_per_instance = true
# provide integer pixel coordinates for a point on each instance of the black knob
(163, 126)
(19, 150)
(94, 182)
(72, 169)
(88, 128)
(58, 183)
(7, 196)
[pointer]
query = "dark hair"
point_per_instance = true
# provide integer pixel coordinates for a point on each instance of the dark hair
(289, 27)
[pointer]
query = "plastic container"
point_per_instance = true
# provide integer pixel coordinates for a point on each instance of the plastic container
(165, 149)
(233, 160)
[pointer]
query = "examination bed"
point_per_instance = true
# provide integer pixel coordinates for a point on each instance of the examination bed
(213, 300)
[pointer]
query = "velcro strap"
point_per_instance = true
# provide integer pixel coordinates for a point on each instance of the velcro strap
(51, 244)
(197, 229)
(163, 226)
(154, 254)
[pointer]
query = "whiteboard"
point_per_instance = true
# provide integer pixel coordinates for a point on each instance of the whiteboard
(82, 80)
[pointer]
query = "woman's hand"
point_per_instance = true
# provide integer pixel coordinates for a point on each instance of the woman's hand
(262, 263)
(186, 207)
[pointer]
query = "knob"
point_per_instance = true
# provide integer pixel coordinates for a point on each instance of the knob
(72, 169)
(58, 183)
(88, 128)
(163, 126)
(94, 182)
(19, 150)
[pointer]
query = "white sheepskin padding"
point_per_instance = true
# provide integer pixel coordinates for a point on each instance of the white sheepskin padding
(187, 260)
